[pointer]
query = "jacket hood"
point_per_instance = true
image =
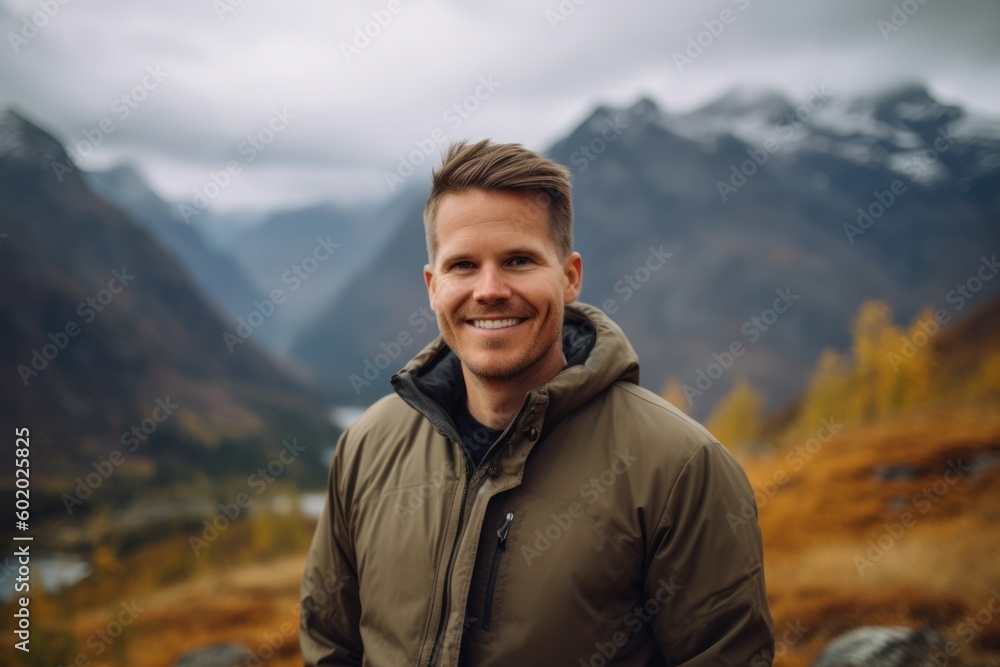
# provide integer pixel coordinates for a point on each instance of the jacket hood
(597, 353)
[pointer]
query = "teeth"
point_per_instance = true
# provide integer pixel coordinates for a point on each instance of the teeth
(495, 324)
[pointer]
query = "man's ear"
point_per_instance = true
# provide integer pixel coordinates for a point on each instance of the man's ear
(429, 281)
(572, 277)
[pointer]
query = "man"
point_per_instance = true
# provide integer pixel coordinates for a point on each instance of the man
(519, 499)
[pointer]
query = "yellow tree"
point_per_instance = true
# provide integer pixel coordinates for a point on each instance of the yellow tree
(828, 392)
(986, 379)
(890, 380)
(736, 420)
(917, 361)
(868, 379)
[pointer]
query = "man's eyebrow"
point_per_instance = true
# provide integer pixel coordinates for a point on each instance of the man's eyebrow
(447, 260)
(523, 250)
(455, 257)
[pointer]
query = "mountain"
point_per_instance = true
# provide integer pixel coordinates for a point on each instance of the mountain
(370, 318)
(287, 251)
(212, 271)
(115, 359)
(779, 217)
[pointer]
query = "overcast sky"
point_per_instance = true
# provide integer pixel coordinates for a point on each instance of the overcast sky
(180, 87)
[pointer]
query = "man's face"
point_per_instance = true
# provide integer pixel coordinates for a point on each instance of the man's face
(498, 286)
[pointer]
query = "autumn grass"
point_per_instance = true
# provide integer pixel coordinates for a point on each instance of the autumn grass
(844, 548)
(823, 511)
(242, 588)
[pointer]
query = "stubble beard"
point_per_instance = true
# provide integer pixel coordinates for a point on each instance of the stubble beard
(535, 353)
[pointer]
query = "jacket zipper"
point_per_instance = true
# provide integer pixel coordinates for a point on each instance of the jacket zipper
(451, 560)
(491, 585)
(506, 431)
(458, 533)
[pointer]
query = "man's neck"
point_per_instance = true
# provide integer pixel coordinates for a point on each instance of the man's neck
(495, 403)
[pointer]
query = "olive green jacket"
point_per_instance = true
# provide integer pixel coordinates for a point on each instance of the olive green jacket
(599, 531)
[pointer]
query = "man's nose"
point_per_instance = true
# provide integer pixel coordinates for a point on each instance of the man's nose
(491, 285)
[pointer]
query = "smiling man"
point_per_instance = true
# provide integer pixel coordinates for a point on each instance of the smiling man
(519, 499)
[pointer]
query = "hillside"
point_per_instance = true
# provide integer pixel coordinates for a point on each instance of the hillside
(875, 526)
(215, 274)
(113, 355)
(889, 522)
(837, 552)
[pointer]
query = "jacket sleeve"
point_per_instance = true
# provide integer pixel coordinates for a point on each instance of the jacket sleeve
(706, 568)
(329, 629)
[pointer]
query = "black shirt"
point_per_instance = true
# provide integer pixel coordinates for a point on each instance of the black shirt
(476, 438)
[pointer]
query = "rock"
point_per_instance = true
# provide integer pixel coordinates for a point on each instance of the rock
(216, 655)
(880, 646)
(985, 461)
(898, 471)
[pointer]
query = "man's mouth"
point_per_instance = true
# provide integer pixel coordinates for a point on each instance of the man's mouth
(497, 324)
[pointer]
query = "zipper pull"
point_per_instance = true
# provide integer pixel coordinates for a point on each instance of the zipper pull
(503, 530)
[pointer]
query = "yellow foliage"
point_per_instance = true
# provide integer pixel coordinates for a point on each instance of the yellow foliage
(886, 371)
(827, 393)
(873, 377)
(919, 373)
(987, 379)
(736, 418)
(104, 559)
(278, 527)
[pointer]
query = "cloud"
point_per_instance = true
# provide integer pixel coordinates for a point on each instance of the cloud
(367, 82)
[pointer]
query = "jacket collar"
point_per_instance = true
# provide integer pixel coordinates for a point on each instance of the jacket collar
(597, 354)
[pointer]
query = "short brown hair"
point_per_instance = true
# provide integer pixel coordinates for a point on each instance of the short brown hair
(511, 167)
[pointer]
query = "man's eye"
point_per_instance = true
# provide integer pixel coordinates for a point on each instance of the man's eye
(462, 265)
(520, 261)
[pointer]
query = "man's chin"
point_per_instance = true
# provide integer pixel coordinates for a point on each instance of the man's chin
(494, 371)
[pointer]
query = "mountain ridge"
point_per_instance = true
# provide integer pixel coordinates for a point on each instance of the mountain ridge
(784, 227)
(105, 329)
